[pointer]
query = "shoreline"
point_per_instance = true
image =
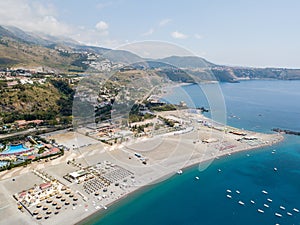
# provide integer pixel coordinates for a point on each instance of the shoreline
(165, 159)
(97, 215)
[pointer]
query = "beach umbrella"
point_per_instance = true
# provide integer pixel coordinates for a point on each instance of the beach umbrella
(39, 217)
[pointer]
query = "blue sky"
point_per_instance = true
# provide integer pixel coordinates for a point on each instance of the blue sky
(247, 33)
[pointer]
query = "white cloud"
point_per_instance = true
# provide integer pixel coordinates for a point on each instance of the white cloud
(178, 35)
(149, 32)
(101, 26)
(198, 36)
(32, 16)
(164, 22)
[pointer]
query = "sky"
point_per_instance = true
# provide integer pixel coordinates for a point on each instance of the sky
(258, 33)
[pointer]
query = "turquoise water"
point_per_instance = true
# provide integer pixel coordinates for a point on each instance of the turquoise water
(180, 200)
(15, 149)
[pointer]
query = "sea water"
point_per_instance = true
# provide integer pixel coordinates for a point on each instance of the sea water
(184, 200)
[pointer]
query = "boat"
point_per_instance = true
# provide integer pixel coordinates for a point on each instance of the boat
(237, 191)
(241, 203)
(269, 200)
(264, 192)
(253, 202)
(229, 191)
(281, 207)
(278, 215)
(289, 214)
(219, 170)
(197, 178)
(261, 211)
(228, 196)
(267, 206)
(275, 169)
(179, 172)
(296, 210)
(104, 207)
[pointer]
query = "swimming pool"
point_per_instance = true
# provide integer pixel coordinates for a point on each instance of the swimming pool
(15, 149)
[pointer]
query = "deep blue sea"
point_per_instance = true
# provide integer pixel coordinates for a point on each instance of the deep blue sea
(183, 200)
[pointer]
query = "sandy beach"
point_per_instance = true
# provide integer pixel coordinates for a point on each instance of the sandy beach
(121, 166)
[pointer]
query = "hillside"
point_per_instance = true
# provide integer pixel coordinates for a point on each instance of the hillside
(62, 55)
(49, 101)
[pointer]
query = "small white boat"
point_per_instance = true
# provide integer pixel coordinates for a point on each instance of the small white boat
(104, 207)
(261, 211)
(281, 207)
(237, 191)
(219, 170)
(275, 169)
(264, 192)
(289, 214)
(296, 210)
(179, 172)
(278, 215)
(248, 155)
(197, 178)
(269, 200)
(253, 202)
(229, 191)
(228, 196)
(267, 206)
(241, 203)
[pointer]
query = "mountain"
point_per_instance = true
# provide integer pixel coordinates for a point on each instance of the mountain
(187, 62)
(24, 49)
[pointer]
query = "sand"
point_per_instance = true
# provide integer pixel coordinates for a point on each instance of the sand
(165, 155)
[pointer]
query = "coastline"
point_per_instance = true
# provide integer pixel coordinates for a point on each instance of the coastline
(97, 215)
(165, 153)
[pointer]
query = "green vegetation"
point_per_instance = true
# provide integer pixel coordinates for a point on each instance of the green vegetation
(51, 102)
(161, 107)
